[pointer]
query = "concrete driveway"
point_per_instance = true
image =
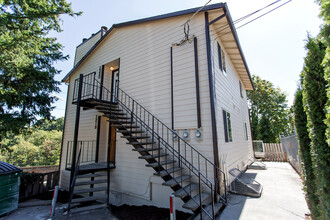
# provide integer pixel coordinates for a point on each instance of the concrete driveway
(282, 196)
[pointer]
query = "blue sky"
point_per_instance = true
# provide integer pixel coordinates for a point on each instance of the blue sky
(273, 45)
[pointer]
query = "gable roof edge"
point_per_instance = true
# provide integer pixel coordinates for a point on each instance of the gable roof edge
(153, 18)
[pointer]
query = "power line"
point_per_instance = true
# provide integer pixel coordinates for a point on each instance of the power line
(224, 27)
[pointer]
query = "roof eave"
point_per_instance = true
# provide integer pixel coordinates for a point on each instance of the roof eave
(233, 30)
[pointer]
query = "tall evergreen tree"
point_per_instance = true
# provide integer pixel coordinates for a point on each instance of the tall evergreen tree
(26, 60)
(305, 154)
(314, 100)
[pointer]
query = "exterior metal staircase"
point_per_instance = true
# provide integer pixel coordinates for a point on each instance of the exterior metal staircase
(180, 165)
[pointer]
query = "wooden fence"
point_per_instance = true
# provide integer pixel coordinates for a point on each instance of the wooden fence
(34, 184)
(274, 152)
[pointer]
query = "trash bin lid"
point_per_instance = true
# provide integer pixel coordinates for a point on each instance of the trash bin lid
(7, 168)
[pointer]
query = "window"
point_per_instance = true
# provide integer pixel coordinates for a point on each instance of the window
(227, 126)
(240, 88)
(246, 132)
(222, 58)
(223, 61)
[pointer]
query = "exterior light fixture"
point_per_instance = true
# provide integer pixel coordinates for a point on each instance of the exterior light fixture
(111, 68)
(198, 134)
(185, 134)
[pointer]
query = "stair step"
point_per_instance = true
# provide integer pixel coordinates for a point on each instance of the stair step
(104, 108)
(96, 189)
(113, 113)
(91, 175)
(208, 209)
(141, 143)
(174, 181)
(124, 126)
(145, 149)
(132, 132)
(124, 118)
(88, 199)
(156, 164)
(115, 122)
(136, 137)
(181, 193)
(87, 208)
(167, 172)
(193, 204)
(146, 157)
(90, 182)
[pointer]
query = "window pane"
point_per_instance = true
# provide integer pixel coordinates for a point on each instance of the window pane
(223, 61)
(224, 113)
(246, 132)
(220, 56)
(229, 127)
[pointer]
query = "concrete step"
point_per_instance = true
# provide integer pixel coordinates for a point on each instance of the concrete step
(88, 199)
(146, 157)
(208, 209)
(193, 203)
(181, 193)
(87, 208)
(91, 182)
(167, 172)
(156, 164)
(176, 180)
(96, 189)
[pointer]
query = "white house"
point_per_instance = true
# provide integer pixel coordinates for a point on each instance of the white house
(158, 106)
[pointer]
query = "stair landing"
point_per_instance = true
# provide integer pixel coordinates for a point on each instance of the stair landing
(93, 167)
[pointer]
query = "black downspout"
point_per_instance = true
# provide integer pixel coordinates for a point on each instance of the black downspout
(198, 103)
(211, 89)
(102, 79)
(172, 92)
(108, 163)
(65, 114)
(76, 130)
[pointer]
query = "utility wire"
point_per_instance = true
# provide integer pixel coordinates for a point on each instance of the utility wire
(264, 14)
(186, 27)
(224, 27)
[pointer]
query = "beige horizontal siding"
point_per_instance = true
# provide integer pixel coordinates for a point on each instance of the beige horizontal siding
(82, 49)
(239, 152)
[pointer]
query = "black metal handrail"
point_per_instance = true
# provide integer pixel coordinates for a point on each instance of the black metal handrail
(178, 147)
(72, 184)
(88, 151)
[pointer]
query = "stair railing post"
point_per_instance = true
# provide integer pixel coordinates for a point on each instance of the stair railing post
(158, 154)
(200, 192)
(212, 198)
(132, 114)
(76, 129)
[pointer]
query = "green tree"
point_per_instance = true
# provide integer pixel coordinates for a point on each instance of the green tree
(325, 33)
(49, 125)
(305, 154)
(314, 100)
(26, 60)
(269, 111)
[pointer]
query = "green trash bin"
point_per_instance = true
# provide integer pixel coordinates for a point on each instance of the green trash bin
(9, 187)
